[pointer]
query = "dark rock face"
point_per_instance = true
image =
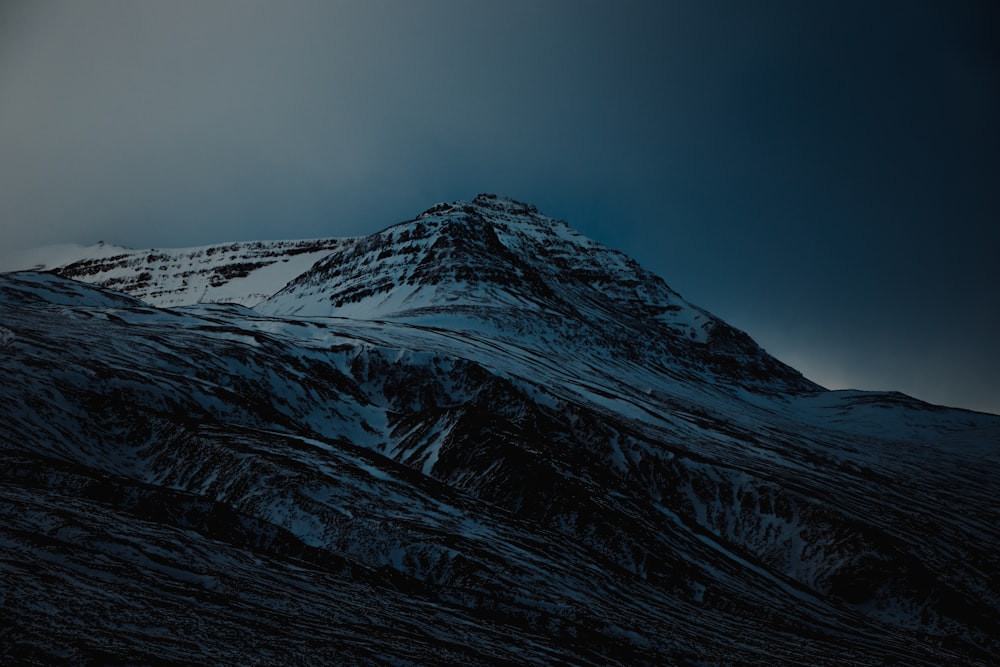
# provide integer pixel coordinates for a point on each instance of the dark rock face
(473, 438)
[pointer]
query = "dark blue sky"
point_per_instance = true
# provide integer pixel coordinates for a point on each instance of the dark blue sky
(823, 175)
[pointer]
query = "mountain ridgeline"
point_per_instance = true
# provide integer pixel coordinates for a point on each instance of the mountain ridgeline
(475, 437)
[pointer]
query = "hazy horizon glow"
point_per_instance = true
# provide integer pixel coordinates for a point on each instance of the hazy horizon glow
(823, 175)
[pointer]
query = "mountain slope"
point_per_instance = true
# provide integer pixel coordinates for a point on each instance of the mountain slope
(243, 273)
(548, 458)
(497, 268)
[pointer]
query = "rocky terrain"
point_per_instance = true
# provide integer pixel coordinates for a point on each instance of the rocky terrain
(475, 437)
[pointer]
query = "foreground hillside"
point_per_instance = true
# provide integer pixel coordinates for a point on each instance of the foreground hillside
(475, 437)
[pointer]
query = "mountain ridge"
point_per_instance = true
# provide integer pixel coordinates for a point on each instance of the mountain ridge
(533, 274)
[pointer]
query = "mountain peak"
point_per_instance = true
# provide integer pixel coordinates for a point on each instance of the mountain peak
(483, 202)
(504, 204)
(497, 267)
(475, 256)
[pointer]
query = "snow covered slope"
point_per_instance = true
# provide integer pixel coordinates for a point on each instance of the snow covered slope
(474, 437)
(244, 273)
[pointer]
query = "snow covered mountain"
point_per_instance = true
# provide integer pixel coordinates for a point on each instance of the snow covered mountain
(243, 273)
(475, 437)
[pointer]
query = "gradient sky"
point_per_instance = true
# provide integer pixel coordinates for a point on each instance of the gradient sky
(823, 175)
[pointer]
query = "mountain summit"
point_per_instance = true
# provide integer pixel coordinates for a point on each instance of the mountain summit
(481, 257)
(474, 437)
(497, 267)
